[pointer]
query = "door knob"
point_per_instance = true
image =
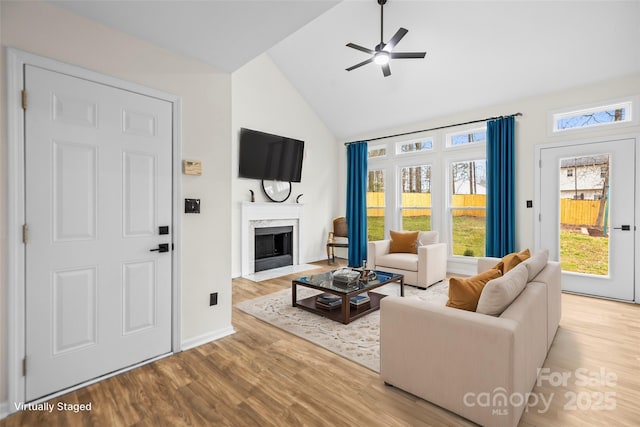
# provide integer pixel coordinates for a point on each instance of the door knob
(162, 247)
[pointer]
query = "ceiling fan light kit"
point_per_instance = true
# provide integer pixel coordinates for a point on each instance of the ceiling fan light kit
(383, 52)
(381, 58)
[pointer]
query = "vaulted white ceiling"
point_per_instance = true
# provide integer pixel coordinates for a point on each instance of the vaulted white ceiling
(479, 53)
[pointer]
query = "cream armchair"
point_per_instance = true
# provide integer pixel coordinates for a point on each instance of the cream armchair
(422, 269)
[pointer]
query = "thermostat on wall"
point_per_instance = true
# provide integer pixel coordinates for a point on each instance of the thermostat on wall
(192, 167)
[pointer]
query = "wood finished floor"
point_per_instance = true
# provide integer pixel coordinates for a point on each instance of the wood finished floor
(263, 376)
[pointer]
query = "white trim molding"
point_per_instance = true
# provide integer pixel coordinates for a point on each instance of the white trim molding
(16, 61)
(207, 338)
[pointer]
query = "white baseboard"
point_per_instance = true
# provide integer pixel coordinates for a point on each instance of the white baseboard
(4, 410)
(206, 338)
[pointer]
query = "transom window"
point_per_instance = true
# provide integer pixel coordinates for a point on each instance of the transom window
(602, 115)
(415, 146)
(470, 136)
(377, 151)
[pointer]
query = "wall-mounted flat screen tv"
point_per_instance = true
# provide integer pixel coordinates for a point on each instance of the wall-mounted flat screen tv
(266, 156)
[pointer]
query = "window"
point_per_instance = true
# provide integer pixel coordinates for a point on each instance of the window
(467, 207)
(434, 182)
(377, 151)
(375, 205)
(415, 203)
(594, 116)
(415, 146)
(470, 136)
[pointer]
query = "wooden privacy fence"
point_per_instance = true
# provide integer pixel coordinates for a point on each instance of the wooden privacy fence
(375, 204)
(579, 212)
(572, 212)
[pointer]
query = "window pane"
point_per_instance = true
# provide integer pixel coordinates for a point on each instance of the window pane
(584, 215)
(375, 205)
(415, 187)
(469, 232)
(468, 207)
(412, 147)
(603, 115)
(467, 137)
(379, 151)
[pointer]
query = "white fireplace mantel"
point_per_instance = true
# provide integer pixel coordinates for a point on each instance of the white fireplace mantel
(256, 215)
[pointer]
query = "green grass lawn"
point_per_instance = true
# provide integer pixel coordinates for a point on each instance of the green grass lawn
(579, 253)
(468, 231)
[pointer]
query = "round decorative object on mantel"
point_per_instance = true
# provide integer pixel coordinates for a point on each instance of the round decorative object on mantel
(276, 191)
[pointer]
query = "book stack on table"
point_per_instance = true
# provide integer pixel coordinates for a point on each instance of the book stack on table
(360, 300)
(328, 301)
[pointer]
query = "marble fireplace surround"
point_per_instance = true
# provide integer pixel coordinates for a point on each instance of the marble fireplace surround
(258, 215)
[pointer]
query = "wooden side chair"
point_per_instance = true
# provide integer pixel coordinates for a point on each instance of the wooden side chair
(338, 238)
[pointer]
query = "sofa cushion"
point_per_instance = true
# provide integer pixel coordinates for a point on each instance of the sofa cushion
(536, 263)
(427, 238)
(499, 293)
(403, 242)
(399, 261)
(513, 259)
(465, 292)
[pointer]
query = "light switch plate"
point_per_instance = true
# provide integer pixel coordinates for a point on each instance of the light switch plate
(192, 206)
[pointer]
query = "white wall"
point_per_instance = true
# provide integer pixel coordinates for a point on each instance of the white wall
(264, 100)
(531, 130)
(49, 31)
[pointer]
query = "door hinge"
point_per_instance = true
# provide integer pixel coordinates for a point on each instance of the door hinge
(540, 164)
(24, 367)
(24, 99)
(539, 217)
(25, 233)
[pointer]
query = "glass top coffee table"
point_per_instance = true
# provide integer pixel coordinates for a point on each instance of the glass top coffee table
(343, 312)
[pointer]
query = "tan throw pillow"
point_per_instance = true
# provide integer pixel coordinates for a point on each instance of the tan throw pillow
(513, 259)
(403, 242)
(465, 292)
(499, 266)
(499, 293)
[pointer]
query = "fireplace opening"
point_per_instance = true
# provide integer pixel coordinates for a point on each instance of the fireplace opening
(273, 247)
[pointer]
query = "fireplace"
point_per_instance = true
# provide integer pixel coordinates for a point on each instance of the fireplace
(273, 247)
(256, 216)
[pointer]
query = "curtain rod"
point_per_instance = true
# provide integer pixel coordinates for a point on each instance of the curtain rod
(436, 128)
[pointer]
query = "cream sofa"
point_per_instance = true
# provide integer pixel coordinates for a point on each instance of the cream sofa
(450, 356)
(421, 269)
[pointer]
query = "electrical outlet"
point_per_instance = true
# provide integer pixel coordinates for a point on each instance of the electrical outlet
(213, 299)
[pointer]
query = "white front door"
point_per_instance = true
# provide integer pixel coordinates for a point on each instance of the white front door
(98, 187)
(587, 211)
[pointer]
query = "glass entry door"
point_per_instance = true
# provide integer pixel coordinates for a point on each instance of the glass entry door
(587, 215)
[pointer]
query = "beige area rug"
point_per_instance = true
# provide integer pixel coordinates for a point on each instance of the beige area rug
(358, 341)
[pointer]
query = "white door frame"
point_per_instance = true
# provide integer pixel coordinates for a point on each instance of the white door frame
(538, 194)
(16, 60)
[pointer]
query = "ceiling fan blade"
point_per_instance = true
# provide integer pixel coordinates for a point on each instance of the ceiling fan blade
(360, 64)
(406, 55)
(386, 70)
(395, 39)
(360, 48)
